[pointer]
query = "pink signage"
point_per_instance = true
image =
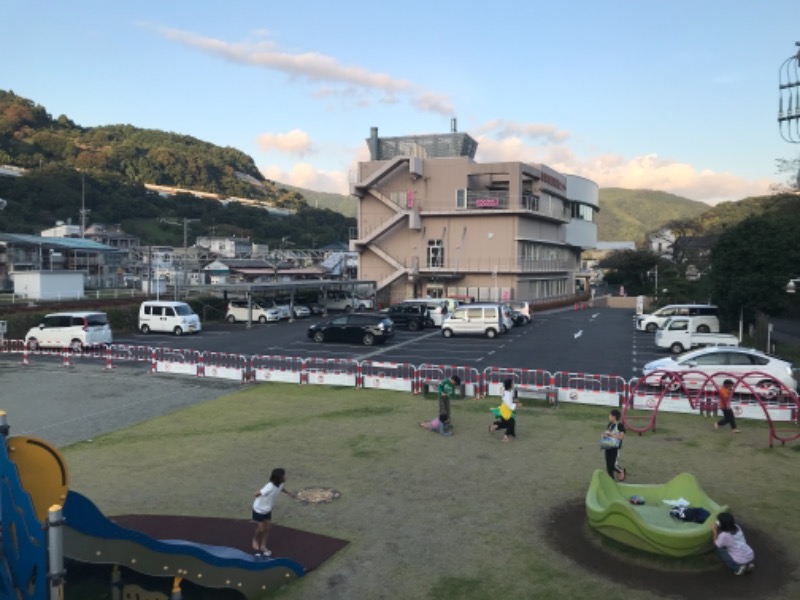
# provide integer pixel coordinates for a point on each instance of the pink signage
(487, 203)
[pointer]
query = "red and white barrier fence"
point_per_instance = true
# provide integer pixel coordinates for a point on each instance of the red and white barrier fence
(756, 395)
(329, 371)
(400, 377)
(223, 365)
(283, 369)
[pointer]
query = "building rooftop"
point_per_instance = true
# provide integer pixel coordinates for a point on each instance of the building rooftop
(62, 243)
(435, 145)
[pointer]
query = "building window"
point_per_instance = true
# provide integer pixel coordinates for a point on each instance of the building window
(461, 198)
(435, 254)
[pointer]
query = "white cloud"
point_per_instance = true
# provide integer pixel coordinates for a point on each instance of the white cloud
(292, 142)
(309, 177)
(542, 143)
(614, 170)
(313, 67)
(501, 129)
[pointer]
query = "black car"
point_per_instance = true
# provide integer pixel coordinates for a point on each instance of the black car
(364, 328)
(413, 315)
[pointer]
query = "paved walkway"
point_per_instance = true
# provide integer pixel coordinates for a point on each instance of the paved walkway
(64, 405)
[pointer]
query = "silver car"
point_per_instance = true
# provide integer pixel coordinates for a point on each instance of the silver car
(767, 374)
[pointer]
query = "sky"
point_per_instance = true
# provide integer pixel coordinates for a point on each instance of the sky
(679, 96)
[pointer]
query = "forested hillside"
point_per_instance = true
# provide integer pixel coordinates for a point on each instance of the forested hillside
(628, 215)
(105, 168)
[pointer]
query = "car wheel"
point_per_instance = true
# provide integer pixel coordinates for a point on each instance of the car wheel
(231, 319)
(651, 328)
(177, 330)
(491, 333)
(676, 348)
(672, 383)
(447, 333)
(319, 336)
(413, 325)
(703, 329)
(368, 339)
(348, 308)
(768, 388)
(76, 346)
(144, 329)
(33, 344)
(262, 319)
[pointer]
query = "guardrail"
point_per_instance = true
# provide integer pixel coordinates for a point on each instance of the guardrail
(640, 398)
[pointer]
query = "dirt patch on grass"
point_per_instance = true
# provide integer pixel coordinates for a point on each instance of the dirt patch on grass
(702, 577)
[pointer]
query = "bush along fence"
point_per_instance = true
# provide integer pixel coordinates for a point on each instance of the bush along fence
(641, 399)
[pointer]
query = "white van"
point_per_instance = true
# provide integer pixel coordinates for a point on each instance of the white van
(480, 319)
(172, 317)
(437, 308)
(73, 330)
(705, 317)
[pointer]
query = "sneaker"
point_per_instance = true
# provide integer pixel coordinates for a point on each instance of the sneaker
(266, 553)
(741, 569)
(736, 431)
(751, 566)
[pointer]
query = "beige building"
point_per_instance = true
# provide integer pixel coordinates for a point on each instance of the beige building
(432, 221)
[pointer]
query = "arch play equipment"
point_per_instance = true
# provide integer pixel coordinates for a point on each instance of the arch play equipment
(34, 482)
(649, 526)
(753, 391)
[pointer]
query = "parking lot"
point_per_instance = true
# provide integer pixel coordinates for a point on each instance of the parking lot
(600, 341)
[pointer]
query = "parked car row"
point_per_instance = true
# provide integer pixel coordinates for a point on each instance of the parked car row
(85, 329)
(712, 356)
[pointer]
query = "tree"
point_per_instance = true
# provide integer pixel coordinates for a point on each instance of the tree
(752, 262)
(630, 268)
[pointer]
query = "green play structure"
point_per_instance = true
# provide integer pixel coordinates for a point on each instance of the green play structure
(649, 526)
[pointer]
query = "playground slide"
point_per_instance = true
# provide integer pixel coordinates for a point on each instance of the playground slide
(89, 536)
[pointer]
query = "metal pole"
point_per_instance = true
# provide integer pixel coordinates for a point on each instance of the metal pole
(55, 549)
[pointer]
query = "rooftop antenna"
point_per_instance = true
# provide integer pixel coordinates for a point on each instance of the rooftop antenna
(453, 127)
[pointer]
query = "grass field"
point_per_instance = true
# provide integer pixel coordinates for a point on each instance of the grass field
(461, 517)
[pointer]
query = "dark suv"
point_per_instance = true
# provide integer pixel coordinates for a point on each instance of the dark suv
(364, 328)
(413, 315)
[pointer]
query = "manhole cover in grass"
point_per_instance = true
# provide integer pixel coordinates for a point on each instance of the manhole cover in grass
(316, 495)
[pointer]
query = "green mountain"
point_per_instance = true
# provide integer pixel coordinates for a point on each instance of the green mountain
(344, 205)
(628, 215)
(104, 171)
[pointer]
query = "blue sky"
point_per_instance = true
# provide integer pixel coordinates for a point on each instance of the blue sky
(679, 96)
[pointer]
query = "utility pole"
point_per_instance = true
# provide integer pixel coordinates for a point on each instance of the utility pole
(84, 210)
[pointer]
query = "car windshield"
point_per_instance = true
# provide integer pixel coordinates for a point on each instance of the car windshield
(184, 310)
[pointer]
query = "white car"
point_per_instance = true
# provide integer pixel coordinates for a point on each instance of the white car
(301, 311)
(73, 330)
(237, 311)
(723, 362)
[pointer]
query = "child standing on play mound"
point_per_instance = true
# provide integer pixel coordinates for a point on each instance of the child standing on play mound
(262, 510)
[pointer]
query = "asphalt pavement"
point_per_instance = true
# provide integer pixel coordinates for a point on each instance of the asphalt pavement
(76, 403)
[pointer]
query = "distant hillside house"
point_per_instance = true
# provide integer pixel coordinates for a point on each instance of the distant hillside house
(661, 243)
(225, 246)
(692, 254)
